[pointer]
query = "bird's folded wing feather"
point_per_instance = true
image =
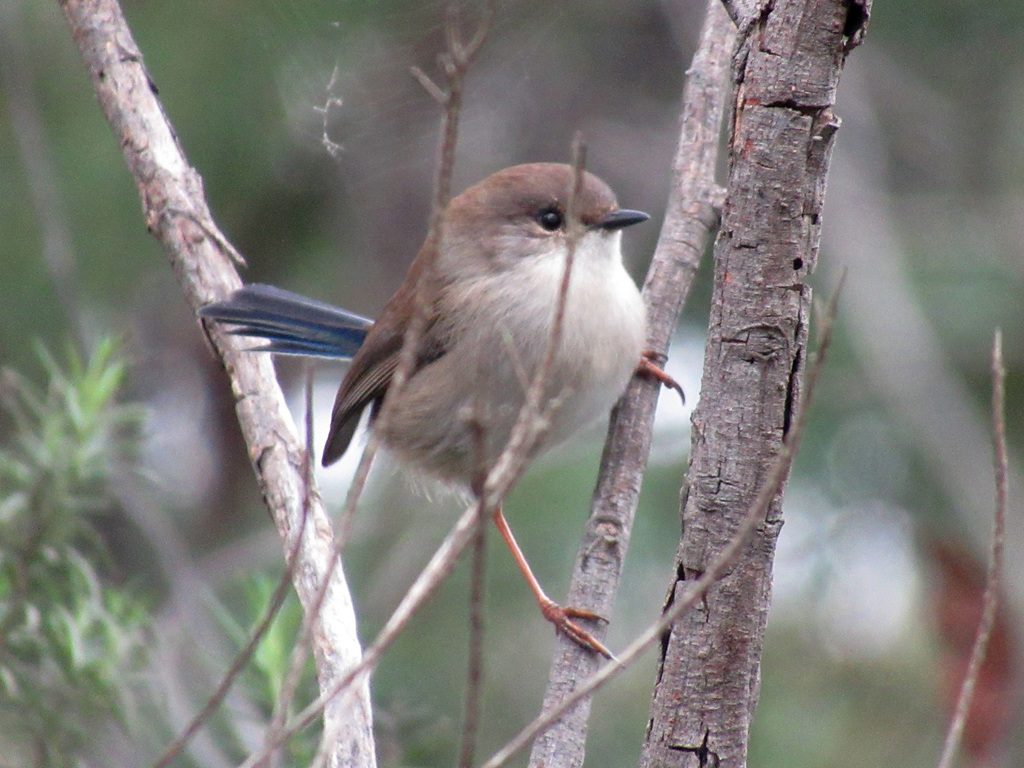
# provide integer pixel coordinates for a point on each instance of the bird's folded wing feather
(374, 366)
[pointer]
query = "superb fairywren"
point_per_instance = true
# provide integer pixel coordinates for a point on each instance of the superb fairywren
(492, 291)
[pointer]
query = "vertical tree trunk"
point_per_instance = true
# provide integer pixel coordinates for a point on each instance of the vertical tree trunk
(787, 68)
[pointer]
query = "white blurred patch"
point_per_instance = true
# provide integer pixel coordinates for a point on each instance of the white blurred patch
(177, 454)
(672, 419)
(847, 574)
(335, 480)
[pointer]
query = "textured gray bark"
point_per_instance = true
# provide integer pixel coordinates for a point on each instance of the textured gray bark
(786, 73)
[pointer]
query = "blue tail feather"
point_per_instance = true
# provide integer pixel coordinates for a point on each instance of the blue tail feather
(293, 324)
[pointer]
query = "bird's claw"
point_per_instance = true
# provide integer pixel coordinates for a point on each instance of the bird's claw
(648, 367)
(560, 617)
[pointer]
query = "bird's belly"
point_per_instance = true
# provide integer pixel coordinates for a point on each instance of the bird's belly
(483, 380)
(603, 337)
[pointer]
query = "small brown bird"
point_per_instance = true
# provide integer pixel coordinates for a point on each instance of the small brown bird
(493, 290)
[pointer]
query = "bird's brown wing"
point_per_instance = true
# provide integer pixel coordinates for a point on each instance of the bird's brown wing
(374, 365)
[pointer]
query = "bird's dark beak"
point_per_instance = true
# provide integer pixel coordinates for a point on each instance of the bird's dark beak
(622, 218)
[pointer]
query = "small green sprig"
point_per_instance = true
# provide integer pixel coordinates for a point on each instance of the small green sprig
(69, 643)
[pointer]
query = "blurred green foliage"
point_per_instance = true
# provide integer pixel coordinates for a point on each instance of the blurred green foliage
(70, 643)
(270, 669)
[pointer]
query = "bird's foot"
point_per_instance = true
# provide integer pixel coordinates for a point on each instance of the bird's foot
(562, 619)
(649, 366)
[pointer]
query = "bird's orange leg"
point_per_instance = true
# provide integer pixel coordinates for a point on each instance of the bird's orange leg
(649, 367)
(551, 610)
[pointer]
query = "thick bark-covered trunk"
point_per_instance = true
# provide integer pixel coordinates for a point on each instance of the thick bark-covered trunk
(787, 70)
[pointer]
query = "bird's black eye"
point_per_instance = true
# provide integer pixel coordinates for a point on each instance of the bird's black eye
(550, 218)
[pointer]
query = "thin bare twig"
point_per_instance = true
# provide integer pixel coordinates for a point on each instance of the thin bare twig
(533, 402)
(990, 600)
(475, 670)
(455, 63)
(304, 641)
(330, 102)
(478, 572)
(533, 417)
(696, 589)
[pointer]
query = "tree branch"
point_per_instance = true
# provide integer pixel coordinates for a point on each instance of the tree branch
(690, 216)
(177, 215)
(993, 583)
(787, 71)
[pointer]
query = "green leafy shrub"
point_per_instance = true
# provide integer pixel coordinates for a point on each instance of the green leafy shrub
(69, 643)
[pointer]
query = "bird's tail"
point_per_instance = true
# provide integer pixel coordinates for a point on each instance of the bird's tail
(293, 324)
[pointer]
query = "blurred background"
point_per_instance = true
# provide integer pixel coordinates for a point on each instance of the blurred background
(882, 557)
